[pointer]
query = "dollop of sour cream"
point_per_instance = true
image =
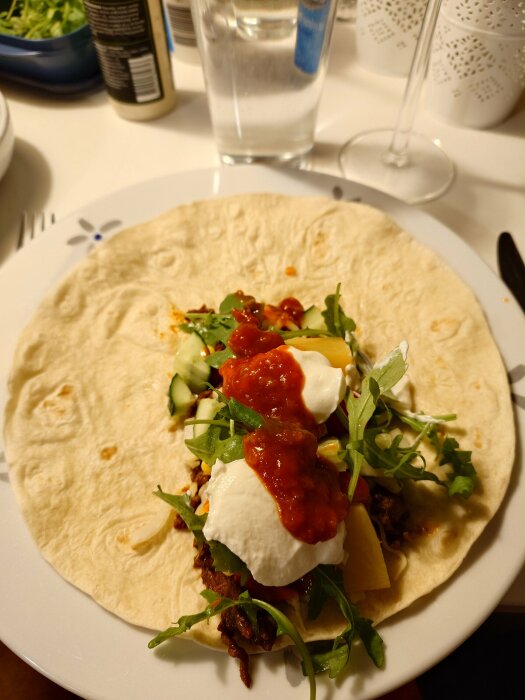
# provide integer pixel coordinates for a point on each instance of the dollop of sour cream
(244, 516)
(324, 386)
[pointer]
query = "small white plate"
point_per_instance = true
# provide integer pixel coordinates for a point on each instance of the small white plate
(68, 637)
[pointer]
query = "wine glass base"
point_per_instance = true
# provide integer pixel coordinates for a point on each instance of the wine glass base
(425, 174)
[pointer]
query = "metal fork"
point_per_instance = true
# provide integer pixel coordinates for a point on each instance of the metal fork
(31, 225)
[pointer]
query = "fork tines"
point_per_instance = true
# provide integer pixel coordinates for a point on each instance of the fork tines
(31, 225)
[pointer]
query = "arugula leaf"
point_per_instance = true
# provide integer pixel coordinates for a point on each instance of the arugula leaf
(244, 414)
(230, 449)
(371, 639)
(212, 328)
(396, 461)
(226, 561)
(337, 322)
(206, 445)
(237, 411)
(286, 626)
(417, 421)
(183, 507)
(333, 657)
(309, 332)
(217, 605)
(215, 328)
(231, 302)
(223, 439)
(463, 478)
(331, 660)
(223, 558)
(210, 446)
(218, 358)
(360, 408)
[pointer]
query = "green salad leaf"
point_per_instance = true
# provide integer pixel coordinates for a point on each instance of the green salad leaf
(396, 461)
(218, 604)
(462, 478)
(333, 656)
(223, 558)
(360, 408)
(42, 19)
(304, 332)
(182, 505)
(213, 328)
(216, 443)
(215, 606)
(226, 561)
(244, 414)
(223, 439)
(218, 358)
(337, 322)
(230, 302)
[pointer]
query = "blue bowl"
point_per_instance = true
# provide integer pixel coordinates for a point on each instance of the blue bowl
(62, 64)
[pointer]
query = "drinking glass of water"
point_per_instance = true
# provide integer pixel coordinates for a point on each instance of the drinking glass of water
(264, 64)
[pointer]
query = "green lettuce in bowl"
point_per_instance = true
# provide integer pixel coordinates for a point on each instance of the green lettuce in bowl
(41, 19)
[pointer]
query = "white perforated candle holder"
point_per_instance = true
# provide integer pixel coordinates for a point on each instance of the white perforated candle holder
(386, 33)
(496, 16)
(477, 67)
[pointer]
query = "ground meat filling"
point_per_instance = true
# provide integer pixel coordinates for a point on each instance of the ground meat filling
(235, 626)
(199, 478)
(391, 512)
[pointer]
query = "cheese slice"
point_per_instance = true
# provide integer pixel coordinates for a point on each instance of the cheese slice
(365, 568)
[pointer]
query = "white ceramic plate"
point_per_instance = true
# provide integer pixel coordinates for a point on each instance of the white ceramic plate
(68, 637)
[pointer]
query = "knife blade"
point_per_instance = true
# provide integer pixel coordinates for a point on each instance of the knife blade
(511, 267)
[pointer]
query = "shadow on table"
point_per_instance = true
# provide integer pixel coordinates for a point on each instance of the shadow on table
(18, 681)
(25, 186)
(488, 665)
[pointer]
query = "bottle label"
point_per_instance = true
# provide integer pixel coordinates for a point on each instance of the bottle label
(312, 19)
(123, 36)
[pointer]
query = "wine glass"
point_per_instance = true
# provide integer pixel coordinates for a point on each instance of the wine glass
(399, 161)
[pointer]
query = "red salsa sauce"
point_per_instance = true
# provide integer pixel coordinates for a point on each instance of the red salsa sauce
(283, 452)
(288, 314)
(270, 383)
(248, 340)
(306, 489)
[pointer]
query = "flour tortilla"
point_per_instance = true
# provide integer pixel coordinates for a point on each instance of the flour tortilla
(87, 432)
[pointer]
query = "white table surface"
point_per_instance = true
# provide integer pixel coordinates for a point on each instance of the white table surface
(70, 151)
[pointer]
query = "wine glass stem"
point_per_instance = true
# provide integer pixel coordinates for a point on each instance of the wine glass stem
(397, 153)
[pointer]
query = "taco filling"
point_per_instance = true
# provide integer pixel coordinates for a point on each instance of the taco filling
(302, 456)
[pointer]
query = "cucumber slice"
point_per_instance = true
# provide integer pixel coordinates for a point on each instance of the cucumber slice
(206, 410)
(190, 364)
(181, 398)
(313, 318)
